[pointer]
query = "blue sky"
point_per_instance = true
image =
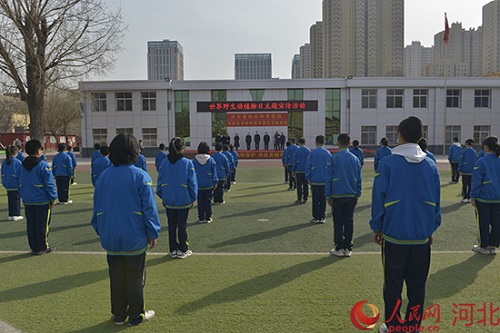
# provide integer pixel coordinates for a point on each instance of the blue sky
(212, 31)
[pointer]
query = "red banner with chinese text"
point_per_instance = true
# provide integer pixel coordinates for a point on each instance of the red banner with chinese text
(256, 119)
(243, 155)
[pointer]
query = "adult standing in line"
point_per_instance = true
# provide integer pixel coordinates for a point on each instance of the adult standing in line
(256, 139)
(276, 140)
(282, 141)
(267, 138)
(236, 141)
(248, 140)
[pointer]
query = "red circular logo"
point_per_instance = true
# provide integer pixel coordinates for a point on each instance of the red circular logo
(362, 321)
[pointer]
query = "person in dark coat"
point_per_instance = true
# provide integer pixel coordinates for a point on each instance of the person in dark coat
(218, 139)
(236, 141)
(282, 141)
(224, 139)
(248, 140)
(256, 139)
(276, 140)
(267, 138)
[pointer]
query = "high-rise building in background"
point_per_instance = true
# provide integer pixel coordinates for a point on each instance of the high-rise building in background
(165, 60)
(305, 61)
(316, 42)
(252, 66)
(296, 67)
(416, 57)
(491, 38)
(362, 38)
(462, 57)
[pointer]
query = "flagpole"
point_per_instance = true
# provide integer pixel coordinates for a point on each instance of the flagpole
(445, 69)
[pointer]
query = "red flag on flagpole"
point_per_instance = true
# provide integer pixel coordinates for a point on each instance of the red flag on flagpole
(446, 30)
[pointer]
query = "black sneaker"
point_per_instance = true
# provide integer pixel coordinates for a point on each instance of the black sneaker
(47, 251)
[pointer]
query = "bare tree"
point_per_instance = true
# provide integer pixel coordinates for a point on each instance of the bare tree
(47, 42)
(62, 114)
(9, 108)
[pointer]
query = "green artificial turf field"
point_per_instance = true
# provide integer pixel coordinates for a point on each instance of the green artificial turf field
(259, 267)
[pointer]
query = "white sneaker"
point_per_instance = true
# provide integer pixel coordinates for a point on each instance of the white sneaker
(11, 218)
(347, 252)
(464, 201)
(75, 183)
(148, 315)
(493, 250)
(337, 253)
(173, 254)
(70, 201)
(182, 255)
(322, 221)
(482, 250)
(17, 218)
(383, 328)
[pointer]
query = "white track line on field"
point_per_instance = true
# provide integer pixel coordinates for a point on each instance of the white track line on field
(6, 328)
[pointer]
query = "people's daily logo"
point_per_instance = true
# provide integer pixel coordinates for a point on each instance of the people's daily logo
(362, 321)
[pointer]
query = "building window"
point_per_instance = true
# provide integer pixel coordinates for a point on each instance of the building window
(369, 98)
(332, 115)
(481, 133)
(453, 131)
(149, 137)
(453, 99)
(99, 102)
(100, 135)
(391, 133)
(482, 98)
(219, 119)
(124, 131)
(425, 130)
(394, 98)
(182, 122)
(148, 101)
(257, 94)
(296, 118)
(123, 101)
(368, 135)
(420, 97)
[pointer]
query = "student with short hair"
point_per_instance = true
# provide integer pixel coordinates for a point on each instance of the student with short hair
(236, 160)
(454, 158)
(405, 214)
(126, 219)
(466, 167)
(288, 154)
(11, 168)
(160, 156)
(223, 171)
(62, 168)
(358, 152)
(381, 153)
(100, 164)
(206, 174)
(230, 158)
(72, 155)
(316, 174)
(343, 188)
(485, 197)
(299, 171)
(96, 154)
(38, 191)
(284, 161)
(177, 187)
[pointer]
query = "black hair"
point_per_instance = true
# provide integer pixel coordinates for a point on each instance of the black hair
(288, 143)
(384, 141)
(423, 144)
(469, 142)
(162, 146)
(97, 146)
(225, 147)
(492, 143)
(10, 152)
(292, 141)
(32, 147)
(320, 140)
(355, 143)
(124, 149)
(302, 141)
(203, 148)
(343, 140)
(411, 129)
(218, 146)
(176, 146)
(61, 147)
(231, 147)
(104, 150)
(69, 148)
(455, 139)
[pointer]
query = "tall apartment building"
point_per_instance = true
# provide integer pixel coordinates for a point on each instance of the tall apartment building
(462, 56)
(363, 38)
(296, 66)
(252, 66)
(316, 42)
(416, 56)
(305, 61)
(165, 60)
(491, 38)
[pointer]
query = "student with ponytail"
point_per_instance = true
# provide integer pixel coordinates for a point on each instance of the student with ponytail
(177, 186)
(485, 196)
(10, 180)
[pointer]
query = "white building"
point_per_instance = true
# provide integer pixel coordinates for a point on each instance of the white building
(367, 108)
(165, 60)
(416, 57)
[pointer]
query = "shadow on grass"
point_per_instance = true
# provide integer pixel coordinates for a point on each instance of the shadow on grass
(52, 229)
(258, 211)
(54, 286)
(261, 235)
(363, 240)
(453, 208)
(256, 195)
(362, 208)
(15, 257)
(107, 326)
(453, 279)
(257, 285)
(87, 241)
(261, 186)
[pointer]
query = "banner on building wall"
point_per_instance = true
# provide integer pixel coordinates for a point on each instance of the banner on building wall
(256, 119)
(285, 106)
(259, 154)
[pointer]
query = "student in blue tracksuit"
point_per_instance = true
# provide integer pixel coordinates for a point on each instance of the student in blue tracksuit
(289, 152)
(316, 172)
(69, 150)
(223, 169)
(11, 168)
(38, 191)
(126, 219)
(299, 159)
(480, 154)
(235, 159)
(19, 155)
(96, 154)
(358, 152)
(100, 164)
(405, 213)
(343, 188)
(62, 168)
(423, 145)
(206, 174)
(160, 156)
(230, 158)
(454, 158)
(283, 162)
(141, 163)
(485, 195)
(177, 187)
(381, 153)
(465, 167)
